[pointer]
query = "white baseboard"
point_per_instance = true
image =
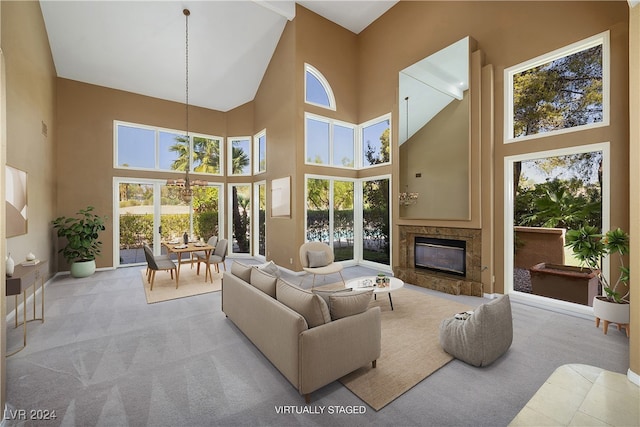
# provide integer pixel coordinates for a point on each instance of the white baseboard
(633, 377)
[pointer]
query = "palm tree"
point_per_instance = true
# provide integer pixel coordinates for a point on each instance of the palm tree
(206, 153)
(181, 163)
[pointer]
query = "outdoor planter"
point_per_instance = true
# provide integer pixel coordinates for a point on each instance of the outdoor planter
(611, 312)
(564, 282)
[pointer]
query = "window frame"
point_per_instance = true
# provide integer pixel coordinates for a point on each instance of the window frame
(331, 122)
(358, 207)
(310, 69)
(598, 39)
(361, 144)
(221, 153)
(229, 211)
(256, 152)
(156, 154)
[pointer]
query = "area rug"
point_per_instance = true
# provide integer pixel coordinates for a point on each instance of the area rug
(190, 284)
(411, 348)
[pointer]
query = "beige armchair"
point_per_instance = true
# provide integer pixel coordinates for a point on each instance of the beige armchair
(317, 259)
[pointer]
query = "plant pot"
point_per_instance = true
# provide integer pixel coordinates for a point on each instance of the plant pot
(564, 282)
(83, 268)
(611, 312)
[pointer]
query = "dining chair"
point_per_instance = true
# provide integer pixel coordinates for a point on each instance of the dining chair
(155, 263)
(217, 256)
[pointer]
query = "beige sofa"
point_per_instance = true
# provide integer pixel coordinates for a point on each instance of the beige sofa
(310, 357)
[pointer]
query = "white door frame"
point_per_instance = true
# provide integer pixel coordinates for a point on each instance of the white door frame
(535, 300)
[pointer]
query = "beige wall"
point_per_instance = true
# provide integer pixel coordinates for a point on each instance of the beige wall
(30, 81)
(85, 136)
(439, 153)
(28, 93)
(507, 33)
(275, 110)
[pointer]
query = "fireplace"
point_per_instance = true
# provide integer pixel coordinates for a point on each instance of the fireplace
(442, 255)
(453, 258)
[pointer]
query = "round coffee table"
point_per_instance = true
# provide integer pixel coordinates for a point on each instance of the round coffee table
(369, 282)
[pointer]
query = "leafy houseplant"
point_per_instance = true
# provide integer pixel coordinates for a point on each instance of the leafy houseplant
(590, 247)
(81, 232)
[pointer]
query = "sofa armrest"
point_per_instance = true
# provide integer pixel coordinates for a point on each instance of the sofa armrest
(271, 326)
(330, 351)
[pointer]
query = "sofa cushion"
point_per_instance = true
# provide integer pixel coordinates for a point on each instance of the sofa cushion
(269, 267)
(312, 307)
(325, 294)
(317, 259)
(264, 281)
(241, 271)
(344, 304)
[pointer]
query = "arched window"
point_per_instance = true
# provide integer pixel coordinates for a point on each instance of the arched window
(316, 89)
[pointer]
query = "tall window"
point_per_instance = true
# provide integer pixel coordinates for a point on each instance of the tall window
(317, 89)
(376, 221)
(330, 214)
(260, 150)
(565, 90)
(241, 218)
(260, 195)
(239, 155)
(332, 218)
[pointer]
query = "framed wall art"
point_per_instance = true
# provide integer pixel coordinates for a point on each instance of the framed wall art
(16, 201)
(281, 197)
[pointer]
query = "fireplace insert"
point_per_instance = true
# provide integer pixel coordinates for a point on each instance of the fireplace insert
(442, 255)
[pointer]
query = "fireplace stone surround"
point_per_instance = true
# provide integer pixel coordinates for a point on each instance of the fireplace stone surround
(405, 270)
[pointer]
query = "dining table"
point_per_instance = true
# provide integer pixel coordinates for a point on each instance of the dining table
(180, 248)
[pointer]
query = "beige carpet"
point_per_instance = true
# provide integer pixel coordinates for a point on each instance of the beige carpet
(164, 288)
(410, 346)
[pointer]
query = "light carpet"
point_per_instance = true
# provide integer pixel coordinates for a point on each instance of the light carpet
(190, 284)
(411, 348)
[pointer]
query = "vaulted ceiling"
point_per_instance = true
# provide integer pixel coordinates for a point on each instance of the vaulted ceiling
(139, 46)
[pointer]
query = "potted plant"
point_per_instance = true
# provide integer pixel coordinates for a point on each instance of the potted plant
(82, 245)
(590, 247)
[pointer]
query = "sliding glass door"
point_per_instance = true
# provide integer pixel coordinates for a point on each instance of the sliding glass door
(149, 211)
(135, 218)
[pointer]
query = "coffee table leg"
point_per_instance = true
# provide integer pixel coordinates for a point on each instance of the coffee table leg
(390, 301)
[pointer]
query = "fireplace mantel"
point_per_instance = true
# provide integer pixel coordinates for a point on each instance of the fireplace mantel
(469, 285)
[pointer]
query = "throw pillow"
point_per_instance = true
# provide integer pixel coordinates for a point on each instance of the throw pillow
(241, 271)
(348, 304)
(317, 259)
(270, 268)
(312, 307)
(264, 281)
(325, 294)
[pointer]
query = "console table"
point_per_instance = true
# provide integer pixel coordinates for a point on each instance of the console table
(22, 279)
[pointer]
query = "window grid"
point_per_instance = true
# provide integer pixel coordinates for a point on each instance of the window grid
(159, 157)
(328, 92)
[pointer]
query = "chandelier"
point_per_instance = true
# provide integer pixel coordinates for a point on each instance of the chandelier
(186, 184)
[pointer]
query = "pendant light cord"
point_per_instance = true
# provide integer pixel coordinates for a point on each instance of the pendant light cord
(186, 50)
